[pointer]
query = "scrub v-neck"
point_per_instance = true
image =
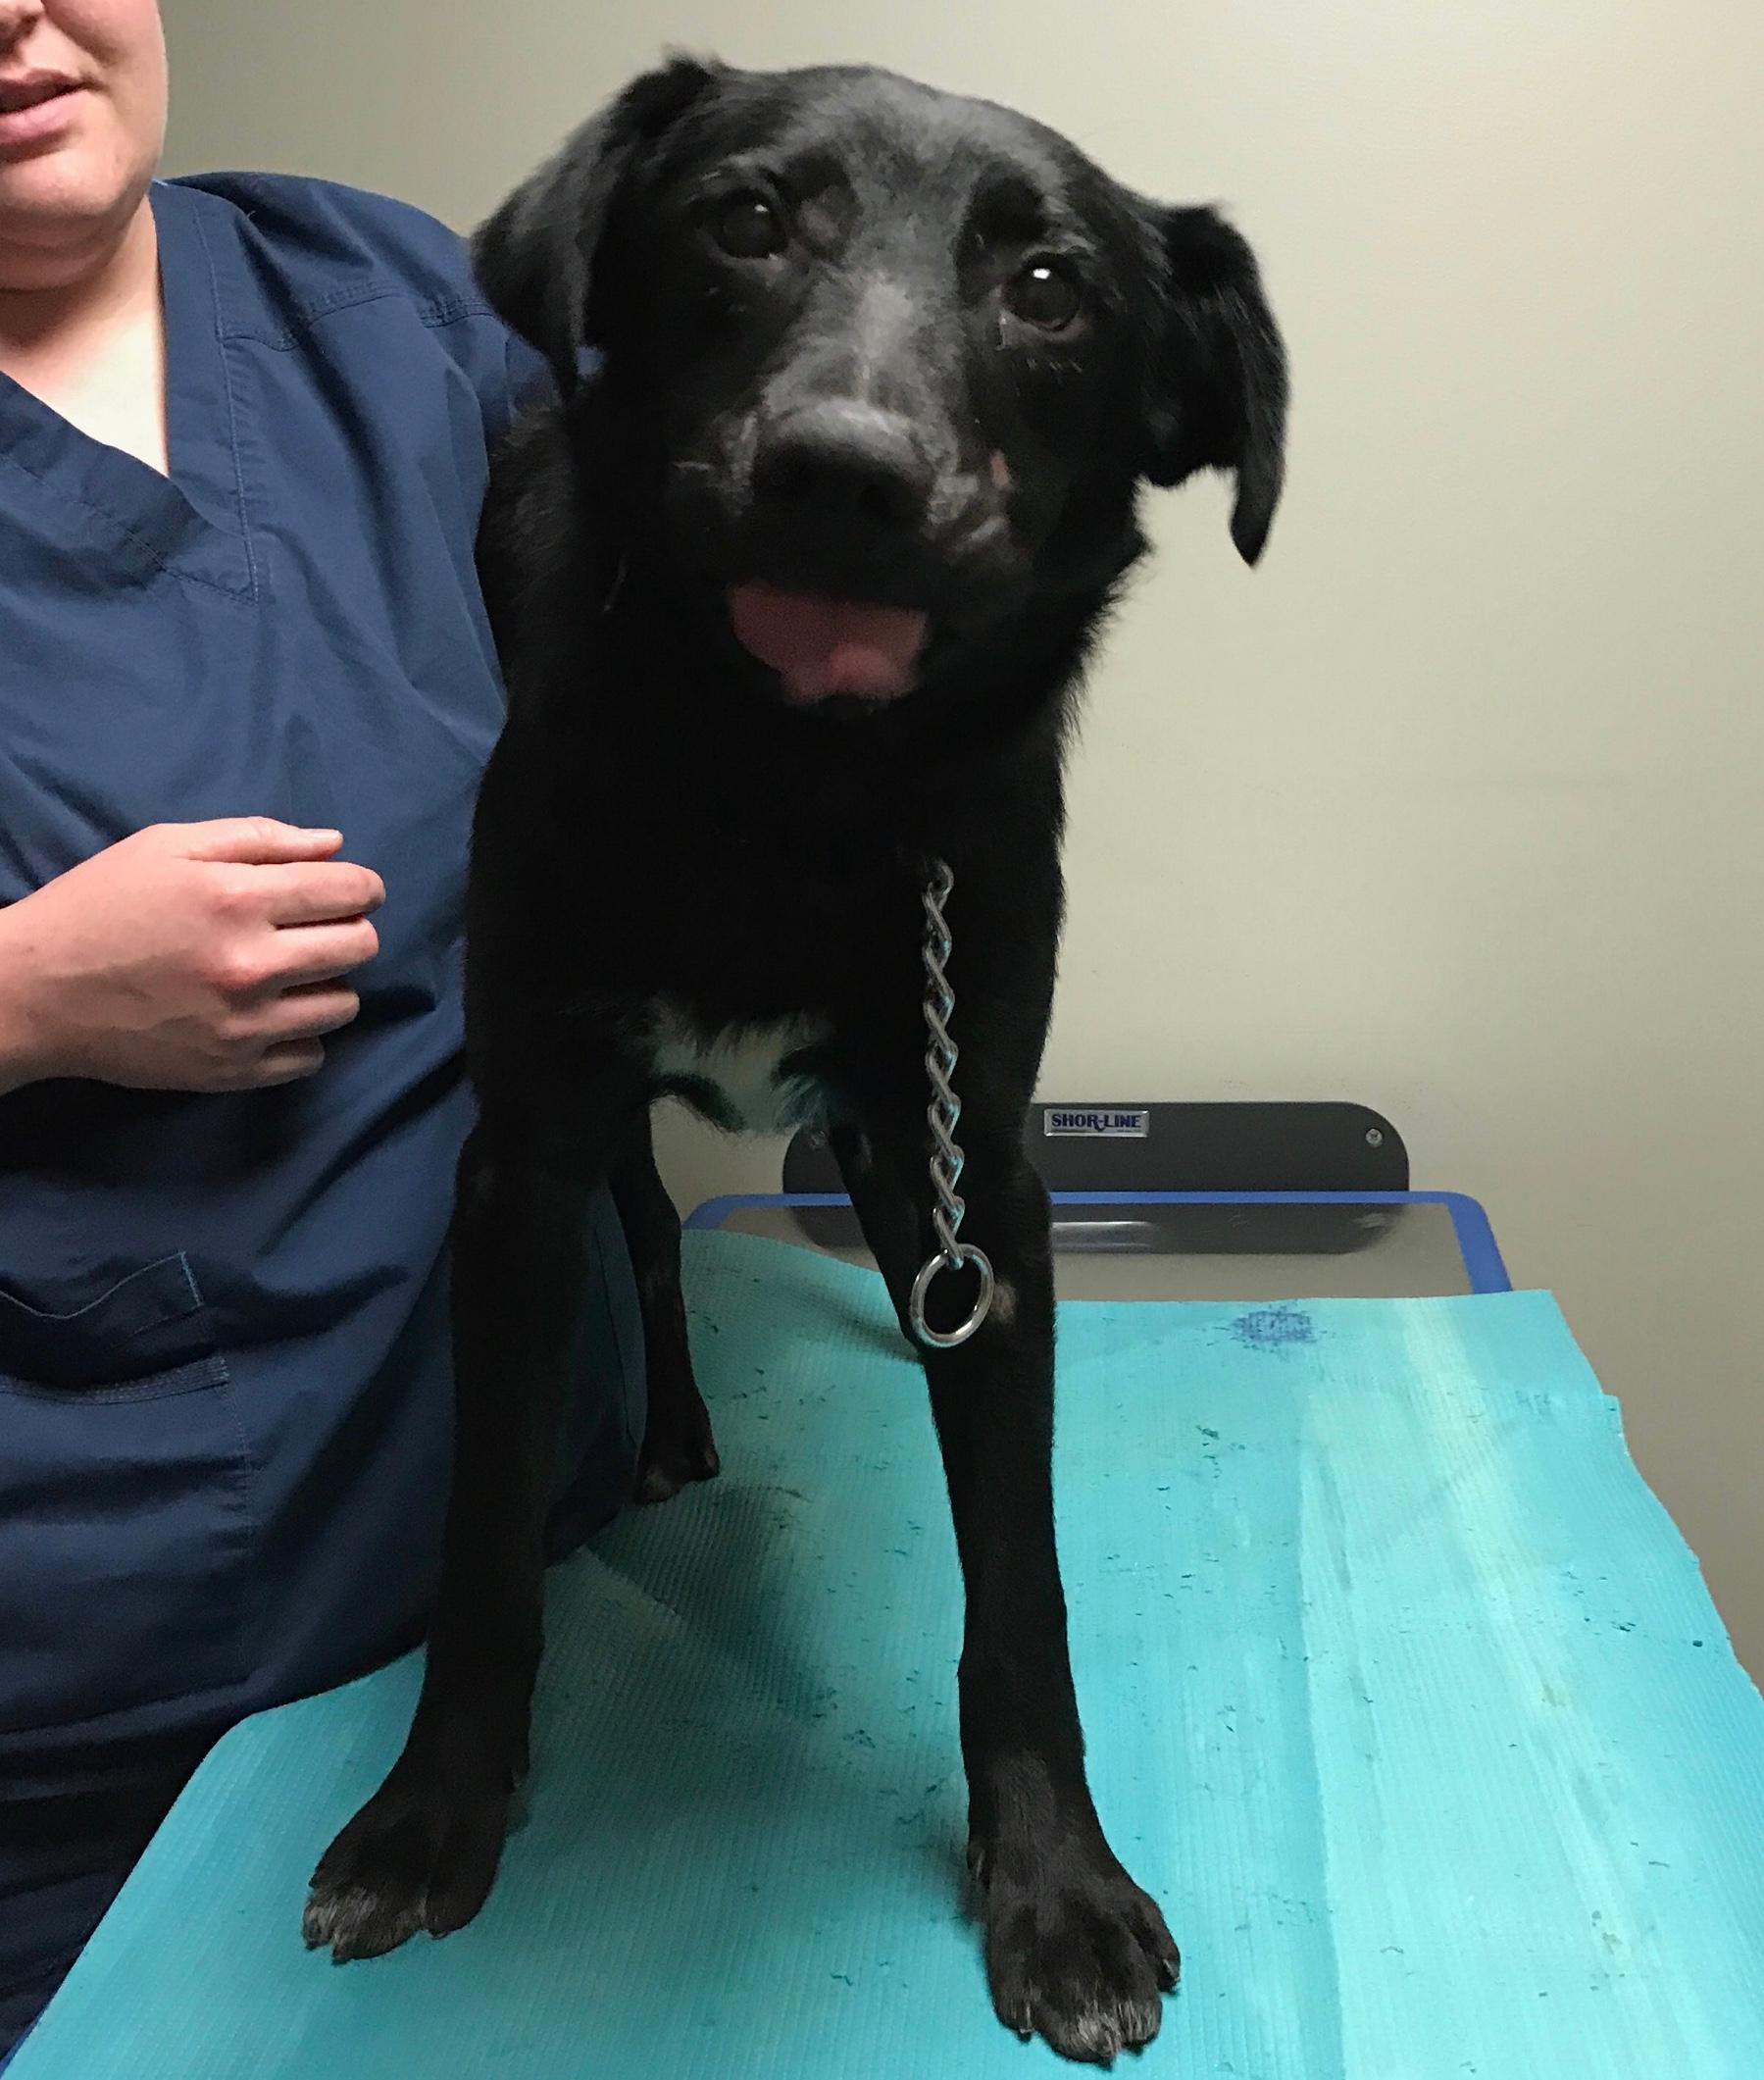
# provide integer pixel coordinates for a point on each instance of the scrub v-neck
(192, 522)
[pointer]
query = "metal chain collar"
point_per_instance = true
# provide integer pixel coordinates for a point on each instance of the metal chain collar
(941, 1115)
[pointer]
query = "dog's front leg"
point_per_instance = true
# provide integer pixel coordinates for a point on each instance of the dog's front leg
(678, 1444)
(423, 1852)
(1075, 1950)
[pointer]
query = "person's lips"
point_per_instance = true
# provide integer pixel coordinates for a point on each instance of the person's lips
(36, 105)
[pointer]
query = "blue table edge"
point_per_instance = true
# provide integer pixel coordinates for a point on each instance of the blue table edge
(1482, 1263)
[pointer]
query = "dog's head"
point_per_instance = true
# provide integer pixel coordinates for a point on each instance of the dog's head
(891, 365)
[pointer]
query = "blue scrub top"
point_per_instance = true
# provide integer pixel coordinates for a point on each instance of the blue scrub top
(225, 1385)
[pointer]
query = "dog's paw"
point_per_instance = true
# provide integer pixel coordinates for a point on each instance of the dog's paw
(1079, 1955)
(419, 1856)
(678, 1450)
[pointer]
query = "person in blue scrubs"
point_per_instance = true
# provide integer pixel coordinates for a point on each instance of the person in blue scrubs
(247, 689)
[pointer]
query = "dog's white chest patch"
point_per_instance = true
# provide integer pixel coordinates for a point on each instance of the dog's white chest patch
(744, 1078)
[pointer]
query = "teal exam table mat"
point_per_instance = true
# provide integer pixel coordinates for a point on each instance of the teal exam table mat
(1403, 1695)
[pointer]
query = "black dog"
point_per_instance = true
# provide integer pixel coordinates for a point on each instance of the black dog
(793, 596)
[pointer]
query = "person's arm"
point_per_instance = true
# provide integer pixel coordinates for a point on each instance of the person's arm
(18, 1055)
(188, 957)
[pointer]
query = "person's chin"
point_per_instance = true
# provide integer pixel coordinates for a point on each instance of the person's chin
(59, 209)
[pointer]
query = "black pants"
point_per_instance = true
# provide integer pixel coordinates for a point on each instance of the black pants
(65, 1846)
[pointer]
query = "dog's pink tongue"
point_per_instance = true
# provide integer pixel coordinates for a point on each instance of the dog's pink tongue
(821, 646)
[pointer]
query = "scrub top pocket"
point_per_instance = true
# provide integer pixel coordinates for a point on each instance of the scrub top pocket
(125, 1526)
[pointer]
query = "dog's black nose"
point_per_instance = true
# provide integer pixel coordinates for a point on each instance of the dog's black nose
(850, 469)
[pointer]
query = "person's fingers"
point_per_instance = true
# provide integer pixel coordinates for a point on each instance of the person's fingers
(304, 1014)
(284, 1063)
(253, 841)
(315, 893)
(301, 954)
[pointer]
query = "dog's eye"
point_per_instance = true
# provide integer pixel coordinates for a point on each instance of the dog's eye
(1045, 295)
(748, 227)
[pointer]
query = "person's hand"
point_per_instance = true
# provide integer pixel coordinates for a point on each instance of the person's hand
(205, 957)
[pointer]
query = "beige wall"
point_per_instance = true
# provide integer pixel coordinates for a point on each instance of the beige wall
(1454, 805)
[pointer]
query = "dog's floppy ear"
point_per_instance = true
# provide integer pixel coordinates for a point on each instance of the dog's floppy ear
(1219, 373)
(534, 256)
